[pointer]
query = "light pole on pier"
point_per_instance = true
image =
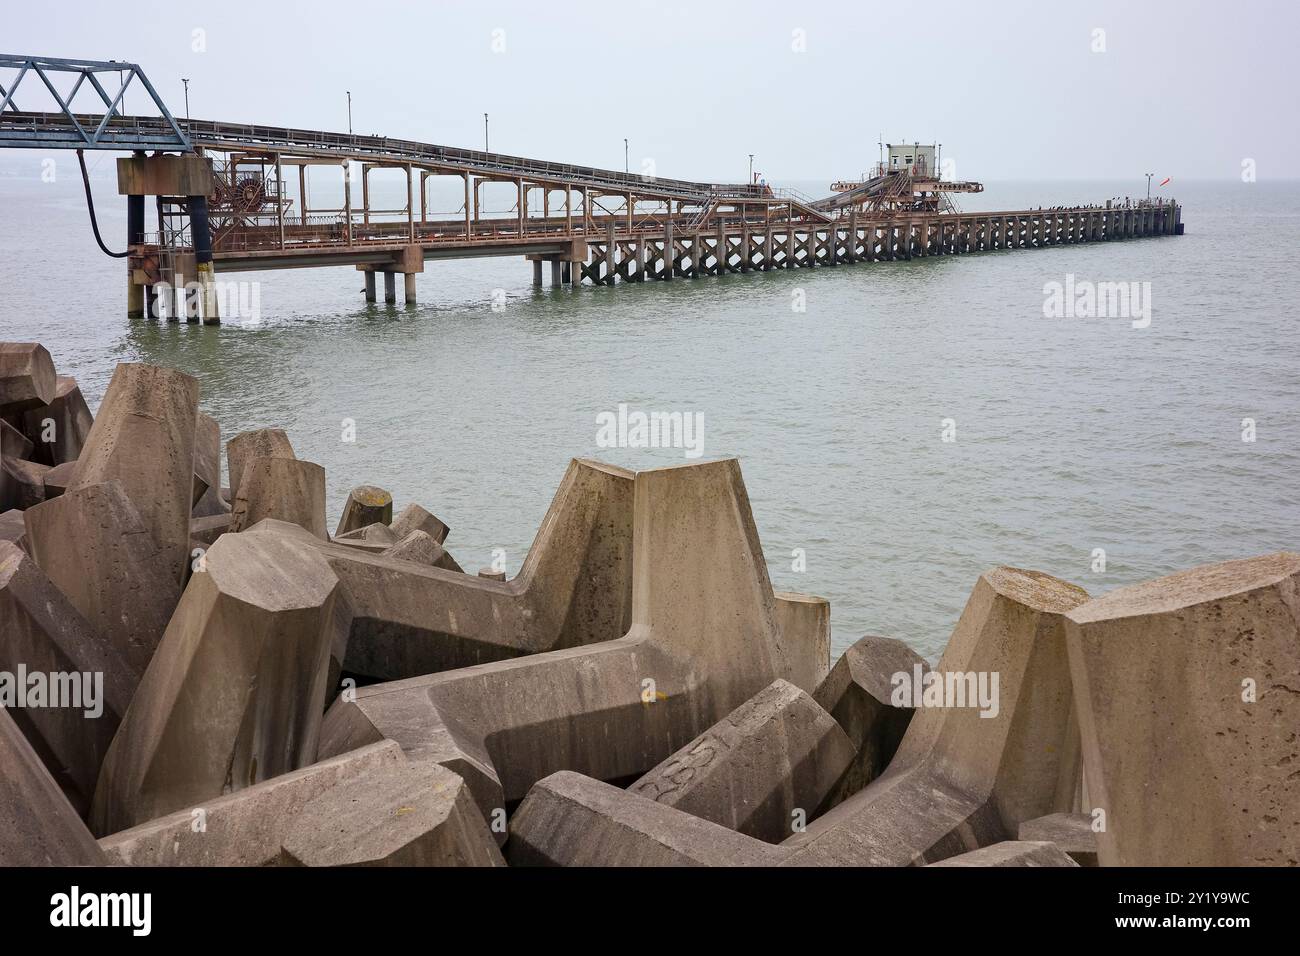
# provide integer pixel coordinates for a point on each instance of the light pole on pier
(186, 80)
(626, 167)
(485, 134)
(1149, 175)
(751, 169)
(349, 112)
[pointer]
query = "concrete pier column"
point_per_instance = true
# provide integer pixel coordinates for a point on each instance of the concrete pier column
(390, 287)
(409, 290)
(537, 272)
(202, 236)
(557, 274)
(370, 285)
(566, 273)
(135, 299)
(670, 252)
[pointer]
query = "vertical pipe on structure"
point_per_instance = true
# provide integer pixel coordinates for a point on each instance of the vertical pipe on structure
(853, 234)
(523, 204)
(469, 229)
(609, 252)
(568, 210)
(365, 193)
(477, 183)
(279, 197)
(670, 250)
(302, 191)
(410, 209)
(424, 196)
(347, 210)
(135, 294)
(629, 214)
(202, 234)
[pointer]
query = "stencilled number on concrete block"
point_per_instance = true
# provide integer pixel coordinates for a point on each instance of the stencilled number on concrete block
(198, 820)
(348, 434)
(1098, 560)
(1248, 430)
(1098, 820)
(800, 563)
(349, 690)
(1248, 693)
(498, 822)
(948, 430)
(798, 820)
(200, 562)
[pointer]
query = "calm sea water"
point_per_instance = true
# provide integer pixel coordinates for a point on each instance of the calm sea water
(1071, 434)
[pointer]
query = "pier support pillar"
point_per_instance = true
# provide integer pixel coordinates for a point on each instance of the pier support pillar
(670, 252)
(201, 233)
(370, 284)
(135, 299)
(557, 273)
(537, 272)
(409, 290)
(390, 287)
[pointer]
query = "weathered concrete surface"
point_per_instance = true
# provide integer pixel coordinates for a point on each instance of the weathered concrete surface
(207, 530)
(38, 827)
(402, 814)
(1012, 853)
(234, 694)
(258, 443)
(775, 755)
(574, 589)
(414, 518)
(704, 638)
(806, 619)
(26, 483)
(285, 489)
(14, 443)
(58, 478)
(366, 504)
(1189, 705)
(1072, 832)
(572, 820)
(42, 633)
(959, 780)
(143, 437)
(417, 546)
(858, 693)
(66, 420)
(375, 538)
(27, 377)
(95, 547)
(13, 528)
(244, 828)
(207, 468)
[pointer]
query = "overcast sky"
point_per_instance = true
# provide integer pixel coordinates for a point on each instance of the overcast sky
(1031, 89)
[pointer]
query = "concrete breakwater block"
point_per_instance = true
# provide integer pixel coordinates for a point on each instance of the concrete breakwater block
(86, 684)
(244, 828)
(809, 616)
(38, 827)
(256, 443)
(573, 589)
(704, 638)
(94, 545)
(1012, 853)
(24, 483)
(59, 429)
(207, 469)
(1072, 832)
(961, 780)
(859, 694)
(27, 376)
(143, 438)
(761, 770)
(1189, 707)
(572, 820)
(282, 488)
(235, 692)
(414, 518)
(366, 504)
(399, 814)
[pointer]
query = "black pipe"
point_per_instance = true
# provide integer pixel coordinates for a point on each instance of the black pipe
(200, 231)
(90, 204)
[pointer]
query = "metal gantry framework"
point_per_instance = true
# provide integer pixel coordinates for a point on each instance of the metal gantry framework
(68, 130)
